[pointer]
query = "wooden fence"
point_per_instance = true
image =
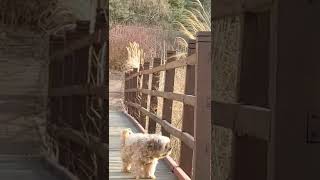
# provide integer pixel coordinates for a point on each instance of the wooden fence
(195, 135)
(77, 112)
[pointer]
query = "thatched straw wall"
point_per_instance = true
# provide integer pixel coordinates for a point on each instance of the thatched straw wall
(226, 43)
(23, 92)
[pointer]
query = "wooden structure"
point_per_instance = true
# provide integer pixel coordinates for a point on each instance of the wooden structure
(196, 131)
(273, 111)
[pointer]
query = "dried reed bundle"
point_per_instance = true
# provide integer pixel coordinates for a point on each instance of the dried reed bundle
(135, 55)
(194, 20)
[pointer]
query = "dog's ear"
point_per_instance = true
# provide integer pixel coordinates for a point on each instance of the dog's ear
(124, 135)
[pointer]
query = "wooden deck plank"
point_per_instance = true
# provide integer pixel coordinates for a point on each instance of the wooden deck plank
(118, 121)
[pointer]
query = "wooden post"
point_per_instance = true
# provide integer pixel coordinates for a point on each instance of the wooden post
(202, 115)
(154, 99)
(126, 86)
(139, 94)
(93, 13)
(130, 94)
(135, 112)
(168, 87)
(191, 46)
(188, 114)
(144, 97)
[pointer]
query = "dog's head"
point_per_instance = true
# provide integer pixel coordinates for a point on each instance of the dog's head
(125, 133)
(159, 146)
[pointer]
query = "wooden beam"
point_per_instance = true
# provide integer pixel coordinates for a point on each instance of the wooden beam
(243, 119)
(144, 96)
(168, 87)
(154, 85)
(188, 114)
(222, 8)
(93, 14)
(77, 90)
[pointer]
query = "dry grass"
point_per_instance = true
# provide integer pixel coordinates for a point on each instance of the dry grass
(153, 40)
(195, 19)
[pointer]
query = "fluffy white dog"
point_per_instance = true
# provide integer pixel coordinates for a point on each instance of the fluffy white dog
(140, 152)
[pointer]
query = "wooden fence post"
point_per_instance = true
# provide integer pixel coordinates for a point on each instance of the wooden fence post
(130, 94)
(191, 46)
(168, 87)
(139, 93)
(126, 86)
(202, 114)
(188, 114)
(144, 97)
(135, 112)
(153, 99)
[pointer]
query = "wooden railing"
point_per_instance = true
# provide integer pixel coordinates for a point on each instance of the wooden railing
(195, 135)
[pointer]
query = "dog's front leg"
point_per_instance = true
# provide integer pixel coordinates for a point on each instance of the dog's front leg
(126, 166)
(150, 169)
(137, 168)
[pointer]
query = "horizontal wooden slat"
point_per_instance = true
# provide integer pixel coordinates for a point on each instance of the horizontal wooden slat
(223, 8)
(186, 99)
(77, 90)
(243, 119)
(183, 136)
(190, 60)
(253, 121)
(77, 44)
(224, 114)
(91, 142)
(20, 97)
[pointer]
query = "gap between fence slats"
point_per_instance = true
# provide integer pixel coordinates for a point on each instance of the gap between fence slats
(190, 60)
(184, 137)
(186, 99)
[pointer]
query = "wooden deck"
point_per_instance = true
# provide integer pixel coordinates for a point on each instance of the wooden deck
(26, 168)
(118, 121)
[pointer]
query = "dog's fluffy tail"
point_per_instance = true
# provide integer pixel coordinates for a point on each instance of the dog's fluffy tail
(124, 135)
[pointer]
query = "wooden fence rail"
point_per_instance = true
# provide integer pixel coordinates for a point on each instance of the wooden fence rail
(141, 92)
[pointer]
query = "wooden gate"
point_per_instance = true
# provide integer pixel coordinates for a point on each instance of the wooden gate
(77, 120)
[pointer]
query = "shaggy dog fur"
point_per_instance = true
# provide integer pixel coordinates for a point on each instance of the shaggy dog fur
(140, 152)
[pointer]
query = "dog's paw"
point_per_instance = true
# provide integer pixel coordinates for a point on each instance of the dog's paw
(151, 177)
(125, 170)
